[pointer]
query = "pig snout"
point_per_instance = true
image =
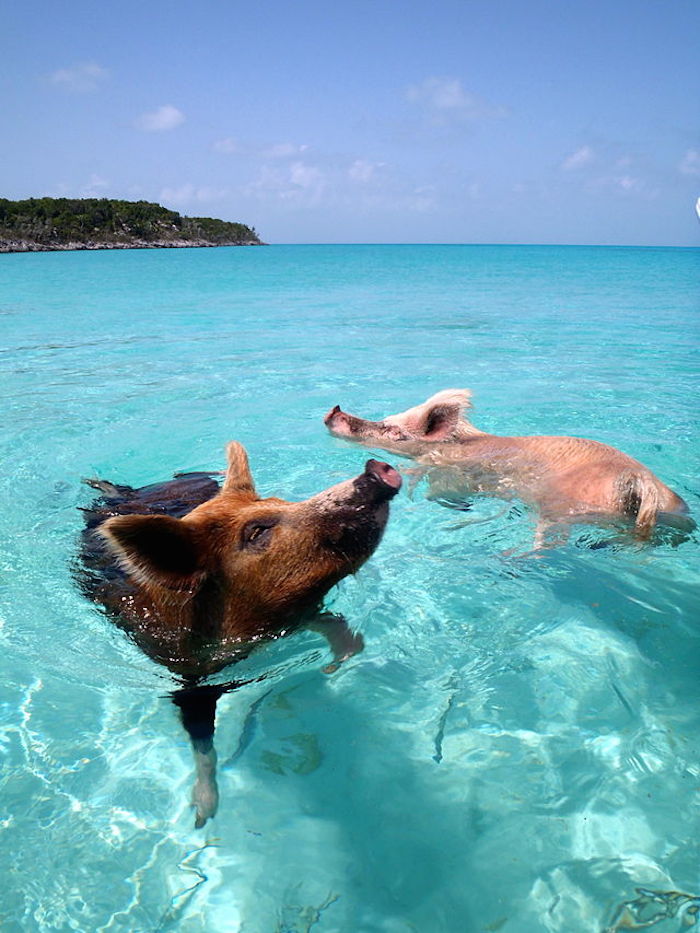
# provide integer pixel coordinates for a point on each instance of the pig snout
(385, 475)
(341, 424)
(337, 421)
(331, 414)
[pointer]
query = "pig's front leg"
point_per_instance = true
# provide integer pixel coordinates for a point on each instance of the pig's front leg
(449, 487)
(343, 642)
(197, 707)
(205, 793)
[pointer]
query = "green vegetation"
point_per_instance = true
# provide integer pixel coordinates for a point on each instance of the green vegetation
(94, 223)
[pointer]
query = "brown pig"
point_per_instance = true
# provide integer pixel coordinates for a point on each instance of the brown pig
(198, 574)
(566, 479)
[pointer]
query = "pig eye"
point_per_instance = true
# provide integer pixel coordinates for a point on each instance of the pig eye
(257, 534)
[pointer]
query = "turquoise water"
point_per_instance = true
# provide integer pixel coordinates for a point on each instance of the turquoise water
(518, 747)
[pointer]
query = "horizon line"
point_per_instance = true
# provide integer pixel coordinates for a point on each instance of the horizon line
(517, 245)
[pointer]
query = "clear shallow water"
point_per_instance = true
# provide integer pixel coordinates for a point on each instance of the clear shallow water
(518, 747)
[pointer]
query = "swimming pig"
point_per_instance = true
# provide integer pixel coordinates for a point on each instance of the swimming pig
(568, 479)
(198, 574)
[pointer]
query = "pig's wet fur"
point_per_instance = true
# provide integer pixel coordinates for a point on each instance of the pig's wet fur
(198, 573)
(566, 480)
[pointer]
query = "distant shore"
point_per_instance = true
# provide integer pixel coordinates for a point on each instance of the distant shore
(59, 224)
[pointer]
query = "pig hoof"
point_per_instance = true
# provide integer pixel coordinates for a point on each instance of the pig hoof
(205, 800)
(331, 668)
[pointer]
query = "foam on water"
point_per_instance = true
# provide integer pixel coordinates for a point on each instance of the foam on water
(517, 747)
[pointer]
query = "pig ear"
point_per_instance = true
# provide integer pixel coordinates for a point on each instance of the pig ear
(440, 421)
(443, 411)
(461, 399)
(238, 476)
(154, 549)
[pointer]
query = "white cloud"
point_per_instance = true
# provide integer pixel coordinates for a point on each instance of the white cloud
(363, 171)
(446, 100)
(624, 184)
(80, 78)
(300, 184)
(283, 151)
(442, 94)
(95, 187)
(272, 152)
(307, 177)
(577, 159)
(192, 194)
(229, 146)
(616, 173)
(628, 183)
(164, 118)
(340, 183)
(690, 163)
(422, 199)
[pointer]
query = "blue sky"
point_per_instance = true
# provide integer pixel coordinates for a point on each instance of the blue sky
(492, 121)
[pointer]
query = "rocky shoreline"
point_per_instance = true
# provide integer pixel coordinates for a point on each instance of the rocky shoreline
(27, 246)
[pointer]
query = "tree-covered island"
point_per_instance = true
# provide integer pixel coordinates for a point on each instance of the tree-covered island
(99, 223)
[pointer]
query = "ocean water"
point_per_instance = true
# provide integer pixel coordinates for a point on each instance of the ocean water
(517, 749)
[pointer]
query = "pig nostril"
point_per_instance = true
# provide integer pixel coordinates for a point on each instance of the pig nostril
(385, 473)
